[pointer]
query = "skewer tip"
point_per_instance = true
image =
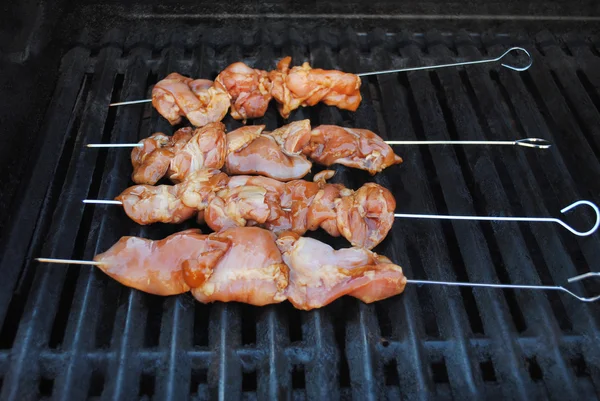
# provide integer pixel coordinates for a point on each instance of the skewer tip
(69, 261)
(102, 202)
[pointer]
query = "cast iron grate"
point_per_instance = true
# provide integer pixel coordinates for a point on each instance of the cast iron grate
(72, 333)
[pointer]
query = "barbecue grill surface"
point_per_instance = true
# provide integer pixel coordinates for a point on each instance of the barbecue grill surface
(71, 332)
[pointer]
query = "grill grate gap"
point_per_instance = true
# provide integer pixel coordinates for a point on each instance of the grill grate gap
(21, 293)
(96, 384)
(340, 338)
(574, 111)
(154, 307)
(63, 313)
(532, 245)
(385, 323)
(298, 379)
(45, 387)
(579, 366)
(249, 381)
(391, 373)
(249, 319)
(535, 371)
(199, 381)
(423, 294)
(147, 383)
(589, 88)
(295, 323)
(440, 372)
(112, 294)
(467, 296)
(495, 252)
(201, 323)
(488, 373)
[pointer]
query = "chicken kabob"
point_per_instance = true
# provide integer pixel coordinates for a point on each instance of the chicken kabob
(248, 91)
(252, 265)
(363, 217)
(282, 154)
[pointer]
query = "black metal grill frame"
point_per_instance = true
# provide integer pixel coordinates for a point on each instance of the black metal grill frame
(72, 333)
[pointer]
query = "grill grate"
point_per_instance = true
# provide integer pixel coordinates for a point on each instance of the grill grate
(72, 333)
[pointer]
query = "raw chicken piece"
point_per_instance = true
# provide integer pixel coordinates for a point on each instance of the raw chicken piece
(165, 267)
(318, 274)
(251, 270)
(151, 162)
(262, 155)
(201, 101)
(248, 89)
(206, 149)
(305, 86)
(352, 147)
(364, 217)
(146, 204)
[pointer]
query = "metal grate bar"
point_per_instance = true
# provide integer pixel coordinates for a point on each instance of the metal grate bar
(413, 370)
(64, 230)
(461, 370)
(488, 186)
(64, 101)
(498, 324)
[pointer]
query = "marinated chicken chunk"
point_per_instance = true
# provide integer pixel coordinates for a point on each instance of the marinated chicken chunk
(200, 100)
(305, 86)
(151, 162)
(352, 147)
(318, 274)
(206, 149)
(249, 90)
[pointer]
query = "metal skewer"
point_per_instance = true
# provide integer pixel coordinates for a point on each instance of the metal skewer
(426, 67)
(489, 60)
(529, 219)
(472, 218)
(519, 286)
(536, 143)
(421, 282)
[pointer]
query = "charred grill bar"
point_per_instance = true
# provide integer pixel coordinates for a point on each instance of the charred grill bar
(71, 332)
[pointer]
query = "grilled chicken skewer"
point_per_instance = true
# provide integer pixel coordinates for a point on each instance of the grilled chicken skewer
(251, 265)
(363, 217)
(248, 91)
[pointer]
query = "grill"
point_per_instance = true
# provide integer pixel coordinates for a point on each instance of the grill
(73, 333)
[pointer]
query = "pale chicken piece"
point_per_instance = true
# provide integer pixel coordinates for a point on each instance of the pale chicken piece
(236, 207)
(249, 90)
(146, 204)
(305, 86)
(293, 137)
(165, 267)
(151, 162)
(352, 147)
(200, 100)
(206, 149)
(251, 271)
(200, 188)
(240, 138)
(318, 274)
(262, 155)
(364, 217)
(286, 204)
